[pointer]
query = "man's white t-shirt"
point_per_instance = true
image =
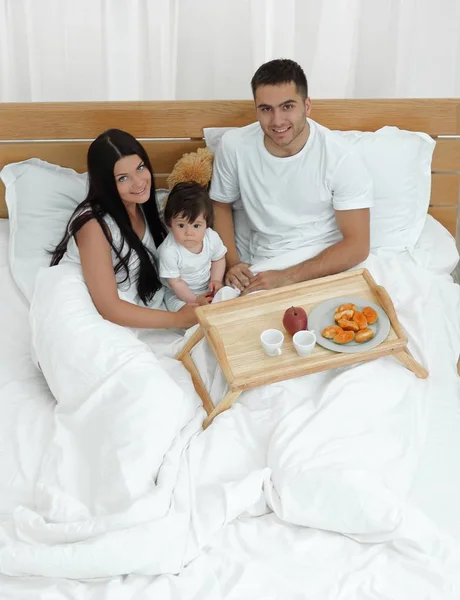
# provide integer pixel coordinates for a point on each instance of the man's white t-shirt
(194, 269)
(290, 202)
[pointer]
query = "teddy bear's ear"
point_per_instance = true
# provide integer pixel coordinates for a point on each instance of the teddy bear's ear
(193, 166)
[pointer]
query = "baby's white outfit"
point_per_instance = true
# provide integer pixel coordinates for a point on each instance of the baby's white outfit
(195, 269)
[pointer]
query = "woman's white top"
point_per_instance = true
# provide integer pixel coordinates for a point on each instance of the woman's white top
(127, 290)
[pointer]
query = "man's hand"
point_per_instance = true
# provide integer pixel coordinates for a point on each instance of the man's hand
(238, 276)
(268, 280)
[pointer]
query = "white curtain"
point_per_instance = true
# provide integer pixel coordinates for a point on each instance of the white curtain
(61, 50)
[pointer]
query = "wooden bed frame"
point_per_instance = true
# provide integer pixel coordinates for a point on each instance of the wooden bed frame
(61, 132)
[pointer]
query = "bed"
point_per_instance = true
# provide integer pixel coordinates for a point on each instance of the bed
(230, 513)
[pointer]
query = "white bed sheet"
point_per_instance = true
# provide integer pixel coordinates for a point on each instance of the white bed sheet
(247, 550)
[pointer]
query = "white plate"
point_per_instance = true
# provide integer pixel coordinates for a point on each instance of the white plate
(323, 315)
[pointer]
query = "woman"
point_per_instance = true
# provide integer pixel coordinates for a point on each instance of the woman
(114, 234)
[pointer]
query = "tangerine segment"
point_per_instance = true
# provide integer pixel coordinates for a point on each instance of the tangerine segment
(370, 314)
(364, 335)
(330, 332)
(360, 319)
(344, 338)
(348, 325)
(348, 306)
(343, 314)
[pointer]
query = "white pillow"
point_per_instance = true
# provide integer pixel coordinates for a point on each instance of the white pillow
(436, 248)
(399, 162)
(41, 198)
(213, 135)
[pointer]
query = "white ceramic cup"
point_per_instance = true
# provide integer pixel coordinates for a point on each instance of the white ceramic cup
(271, 341)
(304, 342)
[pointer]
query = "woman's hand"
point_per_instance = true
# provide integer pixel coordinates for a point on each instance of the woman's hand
(186, 317)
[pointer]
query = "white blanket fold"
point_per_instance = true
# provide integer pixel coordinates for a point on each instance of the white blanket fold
(119, 407)
(130, 484)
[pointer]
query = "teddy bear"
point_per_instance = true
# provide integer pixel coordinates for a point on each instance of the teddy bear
(192, 166)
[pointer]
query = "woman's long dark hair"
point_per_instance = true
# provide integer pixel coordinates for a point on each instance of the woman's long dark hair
(103, 199)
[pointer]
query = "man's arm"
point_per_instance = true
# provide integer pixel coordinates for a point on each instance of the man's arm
(350, 251)
(223, 224)
(238, 273)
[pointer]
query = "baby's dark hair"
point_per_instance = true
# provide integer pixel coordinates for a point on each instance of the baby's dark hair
(188, 199)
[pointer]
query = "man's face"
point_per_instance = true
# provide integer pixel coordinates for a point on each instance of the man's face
(282, 113)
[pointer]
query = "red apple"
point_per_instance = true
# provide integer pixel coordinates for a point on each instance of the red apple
(295, 319)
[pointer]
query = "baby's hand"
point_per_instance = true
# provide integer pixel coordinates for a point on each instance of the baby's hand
(203, 300)
(215, 286)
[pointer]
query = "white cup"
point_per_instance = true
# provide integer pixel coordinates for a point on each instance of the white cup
(304, 342)
(271, 341)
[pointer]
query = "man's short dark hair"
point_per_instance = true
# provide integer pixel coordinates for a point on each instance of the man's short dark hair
(278, 71)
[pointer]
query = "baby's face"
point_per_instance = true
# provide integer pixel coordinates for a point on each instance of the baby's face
(189, 235)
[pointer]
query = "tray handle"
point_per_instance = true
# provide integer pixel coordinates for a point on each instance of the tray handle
(389, 308)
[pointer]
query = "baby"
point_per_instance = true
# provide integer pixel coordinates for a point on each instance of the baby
(192, 257)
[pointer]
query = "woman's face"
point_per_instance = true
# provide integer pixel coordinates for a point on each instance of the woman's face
(133, 179)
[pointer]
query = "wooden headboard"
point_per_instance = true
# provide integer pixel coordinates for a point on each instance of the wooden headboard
(61, 132)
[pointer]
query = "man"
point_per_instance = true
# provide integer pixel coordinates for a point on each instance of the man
(299, 183)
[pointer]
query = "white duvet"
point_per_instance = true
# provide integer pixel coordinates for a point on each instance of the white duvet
(299, 491)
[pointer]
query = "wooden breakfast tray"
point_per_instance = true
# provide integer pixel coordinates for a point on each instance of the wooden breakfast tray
(233, 329)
